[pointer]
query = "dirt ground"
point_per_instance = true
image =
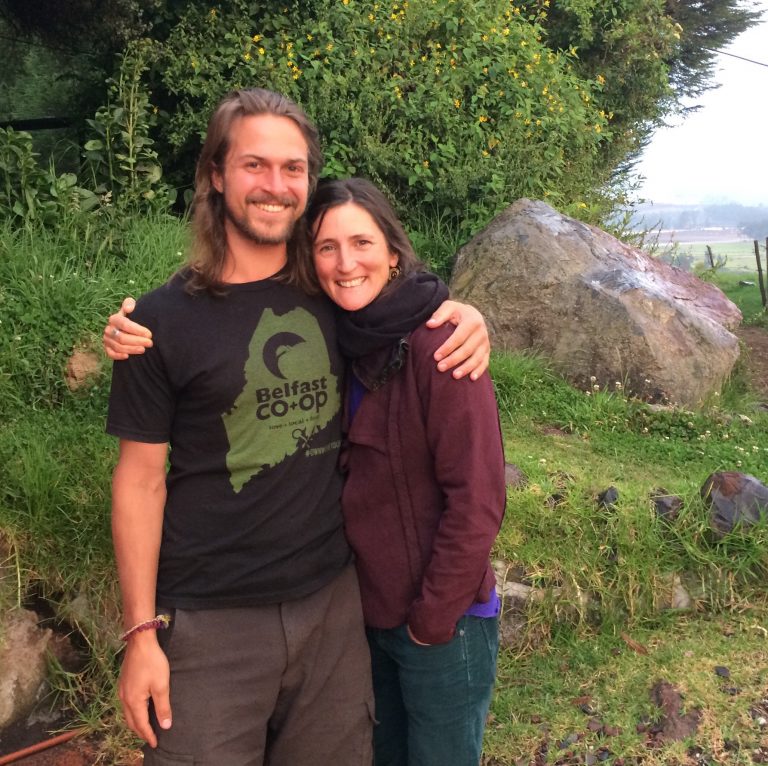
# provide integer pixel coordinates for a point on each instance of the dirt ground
(756, 341)
(80, 751)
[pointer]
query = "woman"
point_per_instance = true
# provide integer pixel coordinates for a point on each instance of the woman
(424, 493)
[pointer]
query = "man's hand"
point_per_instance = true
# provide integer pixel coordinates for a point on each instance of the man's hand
(122, 337)
(467, 350)
(145, 674)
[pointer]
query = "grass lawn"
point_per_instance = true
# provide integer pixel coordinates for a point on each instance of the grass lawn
(579, 669)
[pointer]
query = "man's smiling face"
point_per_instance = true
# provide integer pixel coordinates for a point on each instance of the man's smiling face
(265, 179)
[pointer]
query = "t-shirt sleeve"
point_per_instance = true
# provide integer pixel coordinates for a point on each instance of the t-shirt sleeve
(141, 400)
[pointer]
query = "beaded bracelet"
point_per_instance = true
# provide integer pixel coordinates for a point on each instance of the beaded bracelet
(156, 623)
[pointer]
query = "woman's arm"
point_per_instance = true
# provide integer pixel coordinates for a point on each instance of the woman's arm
(464, 436)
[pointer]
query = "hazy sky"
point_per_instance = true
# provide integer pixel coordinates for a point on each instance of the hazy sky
(720, 153)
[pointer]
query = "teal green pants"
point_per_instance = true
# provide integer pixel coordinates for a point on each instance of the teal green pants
(432, 701)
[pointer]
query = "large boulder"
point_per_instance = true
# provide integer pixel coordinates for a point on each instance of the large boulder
(602, 311)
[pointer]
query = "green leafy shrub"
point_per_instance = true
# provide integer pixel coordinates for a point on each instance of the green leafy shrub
(30, 194)
(446, 103)
(121, 159)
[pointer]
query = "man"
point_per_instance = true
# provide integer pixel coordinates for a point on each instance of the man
(240, 542)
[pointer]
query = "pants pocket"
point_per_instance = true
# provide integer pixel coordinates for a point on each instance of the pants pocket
(160, 757)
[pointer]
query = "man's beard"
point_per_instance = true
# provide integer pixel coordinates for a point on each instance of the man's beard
(245, 228)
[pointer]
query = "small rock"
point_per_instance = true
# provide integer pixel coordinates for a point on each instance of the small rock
(735, 500)
(611, 731)
(607, 499)
(603, 754)
(22, 663)
(587, 709)
(722, 671)
(667, 506)
(514, 477)
(594, 724)
(571, 739)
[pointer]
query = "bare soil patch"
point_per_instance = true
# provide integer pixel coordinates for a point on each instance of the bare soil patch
(755, 340)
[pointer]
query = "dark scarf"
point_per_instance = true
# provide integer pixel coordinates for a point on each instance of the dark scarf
(375, 337)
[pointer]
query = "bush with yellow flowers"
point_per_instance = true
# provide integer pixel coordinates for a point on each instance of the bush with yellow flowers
(456, 105)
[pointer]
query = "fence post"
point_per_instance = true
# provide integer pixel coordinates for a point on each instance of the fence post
(760, 270)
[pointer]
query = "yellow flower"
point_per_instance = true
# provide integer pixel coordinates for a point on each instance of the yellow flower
(261, 51)
(371, 17)
(425, 163)
(601, 79)
(345, 2)
(247, 56)
(482, 118)
(193, 64)
(505, 31)
(484, 38)
(485, 153)
(310, 38)
(598, 129)
(212, 13)
(457, 103)
(256, 38)
(329, 47)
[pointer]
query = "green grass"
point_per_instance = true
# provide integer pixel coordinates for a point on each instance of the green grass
(736, 256)
(603, 572)
(747, 297)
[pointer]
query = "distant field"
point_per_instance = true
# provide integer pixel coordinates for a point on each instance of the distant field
(739, 256)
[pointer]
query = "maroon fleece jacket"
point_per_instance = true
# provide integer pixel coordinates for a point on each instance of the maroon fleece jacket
(424, 495)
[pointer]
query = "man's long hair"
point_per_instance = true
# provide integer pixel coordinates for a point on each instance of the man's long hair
(209, 246)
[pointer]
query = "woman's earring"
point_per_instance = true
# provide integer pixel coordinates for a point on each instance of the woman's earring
(394, 273)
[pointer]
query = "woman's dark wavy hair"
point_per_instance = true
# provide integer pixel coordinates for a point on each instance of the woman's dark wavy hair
(209, 246)
(361, 192)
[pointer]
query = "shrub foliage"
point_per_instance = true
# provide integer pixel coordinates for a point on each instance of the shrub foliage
(455, 105)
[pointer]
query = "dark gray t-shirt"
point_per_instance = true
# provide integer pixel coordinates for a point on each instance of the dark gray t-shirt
(246, 389)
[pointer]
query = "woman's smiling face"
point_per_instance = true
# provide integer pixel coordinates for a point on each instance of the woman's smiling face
(352, 256)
